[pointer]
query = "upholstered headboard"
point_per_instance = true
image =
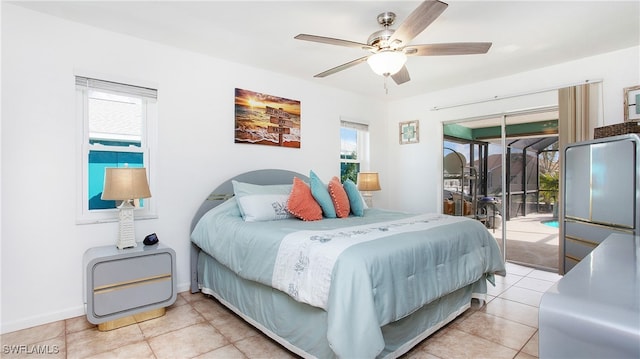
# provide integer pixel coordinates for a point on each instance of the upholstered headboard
(225, 191)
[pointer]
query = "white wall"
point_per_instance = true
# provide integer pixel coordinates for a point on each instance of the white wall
(42, 246)
(419, 188)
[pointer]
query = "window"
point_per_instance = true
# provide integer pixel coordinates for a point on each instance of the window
(354, 149)
(118, 130)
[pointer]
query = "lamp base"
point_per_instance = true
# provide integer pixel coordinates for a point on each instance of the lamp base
(368, 199)
(126, 244)
(126, 230)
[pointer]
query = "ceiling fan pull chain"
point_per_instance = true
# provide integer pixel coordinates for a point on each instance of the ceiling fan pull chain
(386, 89)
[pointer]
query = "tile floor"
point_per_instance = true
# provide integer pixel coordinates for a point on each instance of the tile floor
(507, 327)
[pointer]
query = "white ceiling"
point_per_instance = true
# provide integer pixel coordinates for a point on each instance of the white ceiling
(525, 35)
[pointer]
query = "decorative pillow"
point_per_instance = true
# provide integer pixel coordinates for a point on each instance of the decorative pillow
(321, 195)
(355, 198)
(339, 198)
(262, 203)
(301, 202)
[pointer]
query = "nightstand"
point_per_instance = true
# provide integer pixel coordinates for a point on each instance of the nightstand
(126, 286)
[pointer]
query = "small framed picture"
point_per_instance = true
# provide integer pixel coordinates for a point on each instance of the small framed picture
(632, 104)
(409, 132)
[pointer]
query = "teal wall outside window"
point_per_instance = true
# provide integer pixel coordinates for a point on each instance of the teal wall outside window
(98, 161)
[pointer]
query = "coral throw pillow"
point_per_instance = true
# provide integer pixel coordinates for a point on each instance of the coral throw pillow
(301, 202)
(339, 198)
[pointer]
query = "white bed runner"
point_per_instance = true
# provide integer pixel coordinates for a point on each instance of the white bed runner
(305, 260)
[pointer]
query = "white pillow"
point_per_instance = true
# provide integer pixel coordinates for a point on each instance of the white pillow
(262, 202)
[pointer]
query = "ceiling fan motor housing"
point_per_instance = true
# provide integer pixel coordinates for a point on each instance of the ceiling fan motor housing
(380, 39)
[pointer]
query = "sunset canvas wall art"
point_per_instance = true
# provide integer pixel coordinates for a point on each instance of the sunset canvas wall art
(266, 120)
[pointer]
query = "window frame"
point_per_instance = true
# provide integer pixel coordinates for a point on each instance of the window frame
(362, 143)
(147, 147)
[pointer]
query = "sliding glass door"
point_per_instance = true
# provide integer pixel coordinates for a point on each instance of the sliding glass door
(491, 173)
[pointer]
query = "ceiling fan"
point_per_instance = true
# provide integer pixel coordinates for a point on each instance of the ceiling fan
(389, 48)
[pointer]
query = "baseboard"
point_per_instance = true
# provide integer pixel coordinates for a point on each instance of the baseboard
(41, 319)
(46, 318)
(183, 287)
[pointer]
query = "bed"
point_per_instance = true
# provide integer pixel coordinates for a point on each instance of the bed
(384, 281)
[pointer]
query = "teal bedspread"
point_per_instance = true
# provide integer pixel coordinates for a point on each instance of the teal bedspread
(374, 282)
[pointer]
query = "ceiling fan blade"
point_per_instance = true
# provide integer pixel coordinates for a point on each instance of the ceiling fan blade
(332, 41)
(417, 21)
(453, 48)
(401, 76)
(342, 67)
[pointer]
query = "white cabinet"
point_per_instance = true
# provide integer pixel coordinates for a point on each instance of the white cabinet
(578, 176)
(613, 179)
(125, 282)
(594, 310)
(601, 187)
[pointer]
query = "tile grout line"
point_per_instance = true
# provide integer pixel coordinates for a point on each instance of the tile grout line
(66, 345)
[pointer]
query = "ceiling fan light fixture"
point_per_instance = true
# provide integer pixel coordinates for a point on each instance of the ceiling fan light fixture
(387, 62)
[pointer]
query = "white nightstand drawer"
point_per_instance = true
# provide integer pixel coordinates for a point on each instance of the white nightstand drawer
(126, 297)
(123, 271)
(124, 282)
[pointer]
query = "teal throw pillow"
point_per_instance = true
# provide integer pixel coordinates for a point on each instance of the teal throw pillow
(355, 199)
(321, 194)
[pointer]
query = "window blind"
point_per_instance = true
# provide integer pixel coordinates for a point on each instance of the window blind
(116, 87)
(355, 125)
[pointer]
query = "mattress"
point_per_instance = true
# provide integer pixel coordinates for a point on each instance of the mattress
(411, 261)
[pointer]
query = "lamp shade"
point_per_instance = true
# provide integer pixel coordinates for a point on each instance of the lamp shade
(387, 62)
(125, 184)
(368, 181)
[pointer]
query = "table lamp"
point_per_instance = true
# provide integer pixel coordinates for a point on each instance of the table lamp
(368, 182)
(126, 185)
